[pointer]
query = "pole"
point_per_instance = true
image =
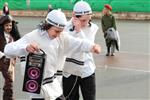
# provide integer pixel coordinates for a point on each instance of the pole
(28, 4)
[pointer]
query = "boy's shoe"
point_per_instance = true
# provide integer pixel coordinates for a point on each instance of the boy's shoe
(107, 54)
(112, 54)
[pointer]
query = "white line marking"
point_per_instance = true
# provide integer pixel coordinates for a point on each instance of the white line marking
(106, 67)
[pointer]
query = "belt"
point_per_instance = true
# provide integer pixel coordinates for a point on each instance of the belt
(74, 61)
(23, 58)
(50, 79)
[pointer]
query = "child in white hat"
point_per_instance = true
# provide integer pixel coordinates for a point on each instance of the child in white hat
(79, 69)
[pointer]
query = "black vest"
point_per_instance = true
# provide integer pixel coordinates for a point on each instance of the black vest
(3, 42)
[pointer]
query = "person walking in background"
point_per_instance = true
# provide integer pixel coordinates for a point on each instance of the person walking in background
(108, 21)
(6, 9)
(8, 33)
(79, 69)
(50, 8)
(56, 44)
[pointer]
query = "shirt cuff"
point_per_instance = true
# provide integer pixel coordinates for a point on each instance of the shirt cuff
(1, 54)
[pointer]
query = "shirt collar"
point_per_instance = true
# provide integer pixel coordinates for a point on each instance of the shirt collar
(45, 33)
(6, 33)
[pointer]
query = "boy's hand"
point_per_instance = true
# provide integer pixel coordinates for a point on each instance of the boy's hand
(77, 24)
(96, 49)
(32, 47)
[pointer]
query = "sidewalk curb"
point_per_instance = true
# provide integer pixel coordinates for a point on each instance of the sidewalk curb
(119, 15)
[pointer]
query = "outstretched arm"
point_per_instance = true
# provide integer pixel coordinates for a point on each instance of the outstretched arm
(73, 45)
(20, 47)
(96, 49)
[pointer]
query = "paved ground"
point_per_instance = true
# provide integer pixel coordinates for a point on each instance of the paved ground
(122, 77)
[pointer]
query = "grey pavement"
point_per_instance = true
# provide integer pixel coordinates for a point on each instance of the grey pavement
(122, 77)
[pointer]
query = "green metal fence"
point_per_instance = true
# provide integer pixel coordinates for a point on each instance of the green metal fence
(97, 5)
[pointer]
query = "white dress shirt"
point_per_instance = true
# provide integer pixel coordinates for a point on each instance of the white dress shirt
(81, 63)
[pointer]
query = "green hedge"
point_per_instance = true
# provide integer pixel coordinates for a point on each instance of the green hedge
(14, 4)
(97, 5)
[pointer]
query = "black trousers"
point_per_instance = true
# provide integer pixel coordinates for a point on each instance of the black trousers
(71, 87)
(61, 98)
(111, 44)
